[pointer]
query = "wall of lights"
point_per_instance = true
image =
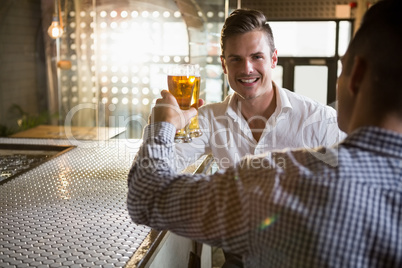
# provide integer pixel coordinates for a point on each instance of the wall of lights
(119, 53)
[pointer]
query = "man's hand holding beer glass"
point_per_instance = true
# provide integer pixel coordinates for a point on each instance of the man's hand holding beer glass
(168, 110)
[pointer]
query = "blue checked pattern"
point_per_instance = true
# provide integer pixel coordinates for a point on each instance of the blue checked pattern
(281, 209)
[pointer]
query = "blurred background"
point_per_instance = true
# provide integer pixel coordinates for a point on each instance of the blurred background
(101, 63)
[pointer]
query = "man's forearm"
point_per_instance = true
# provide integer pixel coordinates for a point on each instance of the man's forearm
(151, 168)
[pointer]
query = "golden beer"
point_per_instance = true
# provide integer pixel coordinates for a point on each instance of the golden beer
(181, 88)
(182, 80)
(193, 126)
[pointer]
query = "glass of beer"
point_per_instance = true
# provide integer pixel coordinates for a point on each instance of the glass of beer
(181, 82)
(193, 127)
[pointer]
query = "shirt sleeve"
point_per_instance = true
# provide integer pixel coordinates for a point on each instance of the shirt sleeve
(331, 134)
(152, 159)
(320, 128)
(194, 206)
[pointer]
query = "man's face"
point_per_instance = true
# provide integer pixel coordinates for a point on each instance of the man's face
(247, 61)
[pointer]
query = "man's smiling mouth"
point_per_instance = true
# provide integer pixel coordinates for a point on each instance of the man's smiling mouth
(249, 81)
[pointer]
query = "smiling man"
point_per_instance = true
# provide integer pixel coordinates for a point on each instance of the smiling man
(259, 116)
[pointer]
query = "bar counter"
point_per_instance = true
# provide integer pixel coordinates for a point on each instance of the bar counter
(70, 211)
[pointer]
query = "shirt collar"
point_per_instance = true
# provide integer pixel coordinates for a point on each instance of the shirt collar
(282, 103)
(232, 109)
(282, 100)
(376, 139)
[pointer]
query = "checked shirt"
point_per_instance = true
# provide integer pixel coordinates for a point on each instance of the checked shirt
(331, 207)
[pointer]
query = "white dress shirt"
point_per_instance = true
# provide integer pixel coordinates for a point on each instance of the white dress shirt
(296, 122)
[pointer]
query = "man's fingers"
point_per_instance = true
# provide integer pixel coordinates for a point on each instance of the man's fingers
(167, 109)
(164, 93)
(200, 102)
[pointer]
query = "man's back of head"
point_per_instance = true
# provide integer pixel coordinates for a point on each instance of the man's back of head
(379, 40)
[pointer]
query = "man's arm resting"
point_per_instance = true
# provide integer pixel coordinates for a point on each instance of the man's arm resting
(152, 165)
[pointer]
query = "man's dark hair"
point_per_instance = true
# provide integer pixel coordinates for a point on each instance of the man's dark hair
(379, 41)
(243, 21)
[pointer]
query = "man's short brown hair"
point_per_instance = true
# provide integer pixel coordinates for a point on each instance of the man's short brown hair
(243, 21)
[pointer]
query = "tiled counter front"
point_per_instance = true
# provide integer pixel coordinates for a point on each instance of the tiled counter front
(70, 211)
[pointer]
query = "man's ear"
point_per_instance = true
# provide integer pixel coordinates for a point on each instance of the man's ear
(359, 70)
(274, 59)
(223, 65)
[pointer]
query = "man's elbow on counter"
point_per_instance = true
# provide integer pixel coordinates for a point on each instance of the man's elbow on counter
(135, 203)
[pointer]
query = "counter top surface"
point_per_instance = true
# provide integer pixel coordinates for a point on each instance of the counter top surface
(70, 210)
